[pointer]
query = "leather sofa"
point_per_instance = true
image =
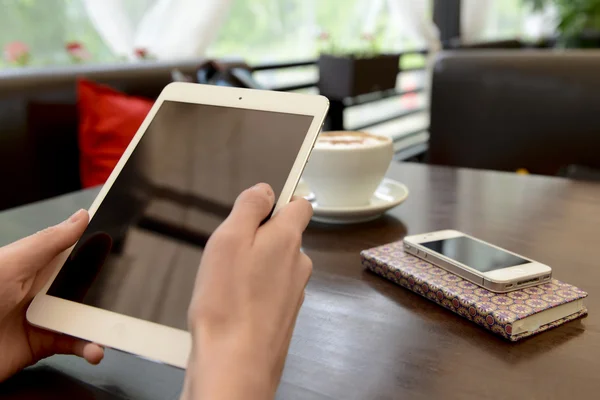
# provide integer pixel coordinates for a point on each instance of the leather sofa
(39, 155)
(512, 109)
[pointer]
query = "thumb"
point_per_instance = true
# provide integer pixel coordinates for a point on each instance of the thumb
(34, 252)
(251, 208)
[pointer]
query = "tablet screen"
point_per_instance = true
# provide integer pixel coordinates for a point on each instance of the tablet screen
(140, 253)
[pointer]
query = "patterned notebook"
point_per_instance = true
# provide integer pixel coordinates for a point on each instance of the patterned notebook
(514, 315)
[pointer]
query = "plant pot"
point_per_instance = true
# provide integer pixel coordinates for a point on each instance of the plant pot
(341, 77)
(588, 39)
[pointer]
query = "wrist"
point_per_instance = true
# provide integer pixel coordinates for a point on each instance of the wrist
(228, 368)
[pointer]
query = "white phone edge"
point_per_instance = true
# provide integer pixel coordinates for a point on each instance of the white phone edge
(499, 281)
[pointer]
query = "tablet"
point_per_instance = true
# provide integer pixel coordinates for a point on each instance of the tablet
(128, 282)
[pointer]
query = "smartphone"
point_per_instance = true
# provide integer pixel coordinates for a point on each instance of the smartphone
(484, 264)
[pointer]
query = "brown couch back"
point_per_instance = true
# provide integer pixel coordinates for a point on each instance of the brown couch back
(505, 110)
(39, 155)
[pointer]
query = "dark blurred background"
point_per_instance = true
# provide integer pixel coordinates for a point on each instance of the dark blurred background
(509, 85)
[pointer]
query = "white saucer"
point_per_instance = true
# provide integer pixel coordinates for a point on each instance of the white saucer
(388, 195)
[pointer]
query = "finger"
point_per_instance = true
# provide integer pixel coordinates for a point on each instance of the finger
(91, 352)
(45, 344)
(296, 214)
(36, 251)
(251, 208)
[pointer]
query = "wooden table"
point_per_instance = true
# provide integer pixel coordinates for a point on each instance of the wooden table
(361, 337)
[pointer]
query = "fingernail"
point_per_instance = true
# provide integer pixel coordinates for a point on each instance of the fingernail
(264, 188)
(76, 217)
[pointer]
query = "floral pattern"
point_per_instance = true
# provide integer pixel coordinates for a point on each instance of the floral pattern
(496, 312)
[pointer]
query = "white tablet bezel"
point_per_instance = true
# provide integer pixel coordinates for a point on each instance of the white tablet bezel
(140, 337)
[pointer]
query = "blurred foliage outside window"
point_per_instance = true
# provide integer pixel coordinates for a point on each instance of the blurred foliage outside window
(518, 19)
(256, 30)
(504, 21)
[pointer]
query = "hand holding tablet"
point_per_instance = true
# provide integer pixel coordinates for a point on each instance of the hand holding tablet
(127, 285)
(248, 292)
(241, 328)
(250, 285)
(25, 266)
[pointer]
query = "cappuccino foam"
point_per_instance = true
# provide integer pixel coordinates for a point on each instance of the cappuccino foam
(349, 140)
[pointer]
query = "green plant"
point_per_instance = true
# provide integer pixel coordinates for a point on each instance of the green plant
(369, 46)
(575, 17)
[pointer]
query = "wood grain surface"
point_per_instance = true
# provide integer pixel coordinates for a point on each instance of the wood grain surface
(361, 337)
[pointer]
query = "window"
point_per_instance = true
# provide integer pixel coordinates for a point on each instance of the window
(506, 20)
(256, 30)
(272, 30)
(489, 20)
(45, 27)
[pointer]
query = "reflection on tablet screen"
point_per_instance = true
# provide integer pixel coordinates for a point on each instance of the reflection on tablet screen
(140, 253)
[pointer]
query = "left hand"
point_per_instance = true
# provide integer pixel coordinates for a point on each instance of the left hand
(25, 267)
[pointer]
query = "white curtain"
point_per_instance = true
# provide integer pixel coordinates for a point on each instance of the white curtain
(407, 19)
(474, 19)
(169, 29)
(372, 9)
(411, 19)
(484, 20)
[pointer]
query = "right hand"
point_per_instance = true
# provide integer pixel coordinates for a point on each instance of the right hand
(247, 296)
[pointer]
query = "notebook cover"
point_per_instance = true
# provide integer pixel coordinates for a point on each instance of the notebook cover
(496, 312)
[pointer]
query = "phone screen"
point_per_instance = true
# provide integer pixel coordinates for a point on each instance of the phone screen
(475, 254)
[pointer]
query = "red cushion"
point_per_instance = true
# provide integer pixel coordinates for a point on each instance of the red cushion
(108, 119)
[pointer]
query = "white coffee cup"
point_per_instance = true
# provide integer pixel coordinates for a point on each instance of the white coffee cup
(345, 168)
